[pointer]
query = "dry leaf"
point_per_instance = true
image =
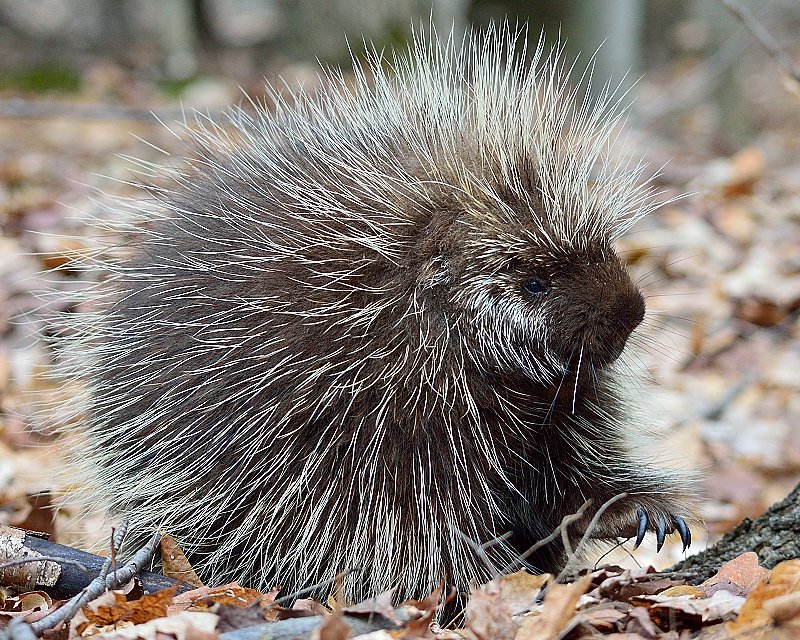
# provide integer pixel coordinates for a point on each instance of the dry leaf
(231, 595)
(488, 616)
(755, 617)
(175, 563)
(146, 608)
(333, 627)
(641, 625)
(39, 516)
(682, 590)
(691, 611)
(380, 604)
(186, 625)
(519, 590)
(784, 608)
(604, 620)
(556, 612)
(743, 571)
(33, 601)
(307, 606)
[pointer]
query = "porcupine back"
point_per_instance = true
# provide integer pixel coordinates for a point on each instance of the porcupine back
(320, 349)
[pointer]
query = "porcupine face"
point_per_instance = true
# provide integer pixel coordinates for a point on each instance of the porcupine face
(592, 305)
(542, 310)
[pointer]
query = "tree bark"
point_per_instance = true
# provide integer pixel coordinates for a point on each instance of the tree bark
(775, 537)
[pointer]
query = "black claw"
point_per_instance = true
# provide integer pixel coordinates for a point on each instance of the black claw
(686, 535)
(661, 533)
(641, 529)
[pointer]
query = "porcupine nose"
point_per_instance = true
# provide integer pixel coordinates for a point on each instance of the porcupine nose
(627, 314)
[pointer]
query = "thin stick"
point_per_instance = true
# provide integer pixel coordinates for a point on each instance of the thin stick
(568, 520)
(113, 555)
(313, 587)
(589, 528)
(480, 552)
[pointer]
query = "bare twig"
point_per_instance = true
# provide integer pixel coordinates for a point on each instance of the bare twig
(114, 546)
(588, 532)
(762, 36)
(568, 520)
(497, 540)
(480, 550)
(99, 585)
(313, 587)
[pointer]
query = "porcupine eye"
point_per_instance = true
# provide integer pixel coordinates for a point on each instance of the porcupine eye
(533, 287)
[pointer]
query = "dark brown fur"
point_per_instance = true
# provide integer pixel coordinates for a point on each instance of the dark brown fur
(284, 380)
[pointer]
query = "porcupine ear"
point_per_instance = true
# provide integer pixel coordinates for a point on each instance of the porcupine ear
(436, 273)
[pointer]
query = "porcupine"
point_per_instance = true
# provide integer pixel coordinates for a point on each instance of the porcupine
(375, 327)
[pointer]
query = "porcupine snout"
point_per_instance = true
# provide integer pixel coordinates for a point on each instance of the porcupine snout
(626, 313)
(619, 308)
(597, 319)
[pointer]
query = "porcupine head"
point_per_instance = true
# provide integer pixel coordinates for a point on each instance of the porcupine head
(373, 328)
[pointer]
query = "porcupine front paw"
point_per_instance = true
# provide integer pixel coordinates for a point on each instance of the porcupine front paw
(661, 527)
(659, 512)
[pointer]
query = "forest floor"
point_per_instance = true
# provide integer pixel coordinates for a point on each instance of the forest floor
(720, 269)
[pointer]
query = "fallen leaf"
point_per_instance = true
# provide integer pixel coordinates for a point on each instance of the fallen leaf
(743, 571)
(175, 564)
(488, 617)
(146, 608)
(691, 611)
(784, 608)
(520, 590)
(754, 615)
(604, 619)
(556, 612)
(194, 625)
(40, 515)
(641, 624)
(310, 606)
(380, 604)
(231, 595)
(34, 601)
(332, 628)
(682, 590)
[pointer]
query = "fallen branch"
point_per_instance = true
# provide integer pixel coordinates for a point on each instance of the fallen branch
(20, 630)
(304, 627)
(587, 535)
(557, 532)
(314, 587)
(68, 611)
(99, 585)
(77, 567)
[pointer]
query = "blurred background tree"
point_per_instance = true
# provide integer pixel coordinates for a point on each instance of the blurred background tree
(51, 45)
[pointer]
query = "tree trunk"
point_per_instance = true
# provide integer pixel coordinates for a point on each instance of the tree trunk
(775, 536)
